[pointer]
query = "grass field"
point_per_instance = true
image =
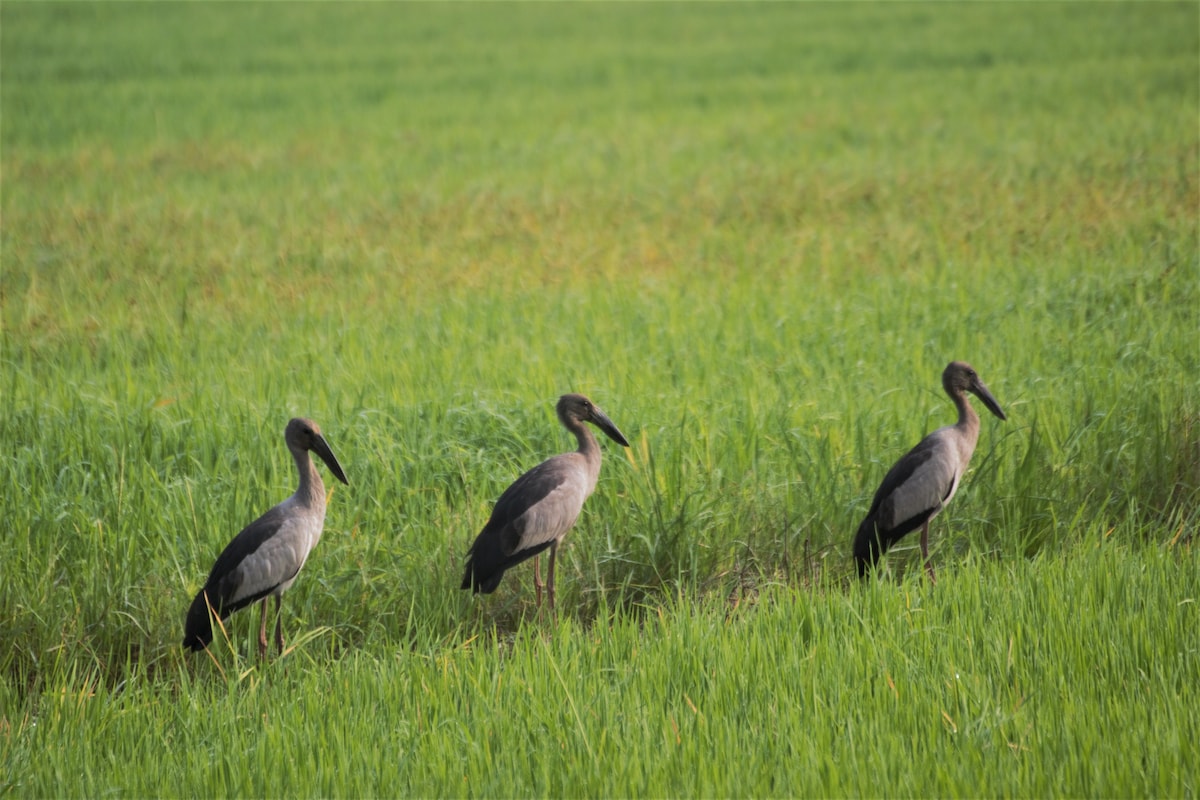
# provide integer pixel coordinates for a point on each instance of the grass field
(754, 234)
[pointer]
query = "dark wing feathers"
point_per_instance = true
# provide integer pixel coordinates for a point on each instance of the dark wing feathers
(224, 579)
(499, 545)
(904, 469)
(527, 491)
(874, 538)
(245, 544)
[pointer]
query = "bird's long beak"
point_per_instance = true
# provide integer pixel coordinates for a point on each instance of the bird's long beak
(605, 424)
(321, 448)
(983, 394)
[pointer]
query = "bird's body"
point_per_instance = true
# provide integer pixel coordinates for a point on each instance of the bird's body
(538, 509)
(925, 479)
(264, 559)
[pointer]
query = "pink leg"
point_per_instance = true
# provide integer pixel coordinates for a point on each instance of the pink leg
(550, 572)
(925, 553)
(278, 622)
(262, 631)
(537, 580)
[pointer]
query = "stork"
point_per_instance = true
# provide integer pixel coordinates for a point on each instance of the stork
(924, 481)
(536, 512)
(264, 559)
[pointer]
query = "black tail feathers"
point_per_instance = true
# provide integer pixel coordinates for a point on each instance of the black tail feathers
(479, 577)
(869, 546)
(197, 630)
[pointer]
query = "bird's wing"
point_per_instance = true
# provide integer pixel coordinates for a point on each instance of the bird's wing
(541, 505)
(266, 553)
(247, 541)
(918, 484)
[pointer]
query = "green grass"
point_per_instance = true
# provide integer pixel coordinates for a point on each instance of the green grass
(900, 687)
(754, 234)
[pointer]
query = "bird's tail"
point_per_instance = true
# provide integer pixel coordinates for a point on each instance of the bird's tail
(869, 546)
(197, 630)
(478, 580)
(485, 566)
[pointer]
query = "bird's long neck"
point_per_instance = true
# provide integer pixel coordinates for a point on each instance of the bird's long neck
(968, 420)
(589, 448)
(312, 489)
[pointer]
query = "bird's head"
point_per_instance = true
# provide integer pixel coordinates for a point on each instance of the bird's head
(304, 434)
(960, 377)
(579, 408)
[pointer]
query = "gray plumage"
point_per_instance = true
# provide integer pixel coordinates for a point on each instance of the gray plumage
(535, 513)
(921, 483)
(264, 559)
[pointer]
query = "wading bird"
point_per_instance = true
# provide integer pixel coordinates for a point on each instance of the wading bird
(264, 559)
(926, 478)
(541, 506)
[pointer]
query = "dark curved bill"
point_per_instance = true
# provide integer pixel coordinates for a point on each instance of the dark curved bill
(321, 448)
(983, 394)
(605, 424)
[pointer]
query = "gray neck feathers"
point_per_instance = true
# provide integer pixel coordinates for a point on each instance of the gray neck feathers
(589, 448)
(312, 489)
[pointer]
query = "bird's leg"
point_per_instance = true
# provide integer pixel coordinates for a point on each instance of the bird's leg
(262, 631)
(279, 622)
(925, 553)
(537, 579)
(550, 573)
